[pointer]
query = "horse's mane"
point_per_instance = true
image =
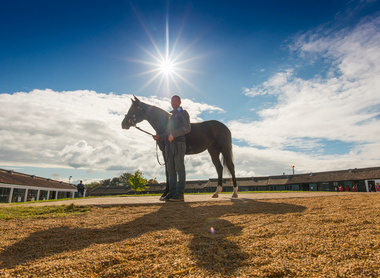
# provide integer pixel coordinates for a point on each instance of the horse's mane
(154, 110)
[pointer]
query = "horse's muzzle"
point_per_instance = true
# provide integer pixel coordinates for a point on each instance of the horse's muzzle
(125, 124)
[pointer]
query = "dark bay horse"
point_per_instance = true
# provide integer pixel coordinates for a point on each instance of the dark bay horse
(209, 135)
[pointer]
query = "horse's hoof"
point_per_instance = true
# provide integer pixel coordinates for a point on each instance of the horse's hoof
(234, 195)
(215, 196)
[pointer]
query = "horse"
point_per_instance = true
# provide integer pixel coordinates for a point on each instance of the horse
(212, 136)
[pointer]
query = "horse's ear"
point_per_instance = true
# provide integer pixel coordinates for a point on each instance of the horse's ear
(135, 101)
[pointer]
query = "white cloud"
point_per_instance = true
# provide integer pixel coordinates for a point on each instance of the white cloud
(272, 86)
(82, 129)
(342, 106)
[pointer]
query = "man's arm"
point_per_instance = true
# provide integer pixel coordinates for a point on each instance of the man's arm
(186, 126)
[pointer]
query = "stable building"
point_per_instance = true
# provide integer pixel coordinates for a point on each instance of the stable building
(19, 187)
(363, 180)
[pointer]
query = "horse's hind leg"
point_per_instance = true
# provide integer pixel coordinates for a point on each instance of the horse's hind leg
(214, 152)
(231, 167)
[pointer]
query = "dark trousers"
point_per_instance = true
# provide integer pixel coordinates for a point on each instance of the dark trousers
(175, 162)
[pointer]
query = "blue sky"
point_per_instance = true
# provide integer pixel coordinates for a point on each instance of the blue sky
(295, 81)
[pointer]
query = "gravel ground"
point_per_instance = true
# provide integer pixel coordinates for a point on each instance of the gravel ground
(334, 235)
(189, 198)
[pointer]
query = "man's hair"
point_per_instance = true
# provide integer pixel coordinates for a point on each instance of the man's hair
(177, 97)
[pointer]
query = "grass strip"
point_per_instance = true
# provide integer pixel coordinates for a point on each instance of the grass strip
(15, 212)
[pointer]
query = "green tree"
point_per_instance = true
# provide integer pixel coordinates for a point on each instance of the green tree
(137, 182)
(124, 179)
(91, 186)
(106, 182)
(152, 181)
(115, 182)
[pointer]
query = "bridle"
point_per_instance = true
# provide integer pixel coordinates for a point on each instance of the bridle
(132, 120)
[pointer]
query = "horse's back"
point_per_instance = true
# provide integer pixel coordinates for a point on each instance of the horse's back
(205, 134)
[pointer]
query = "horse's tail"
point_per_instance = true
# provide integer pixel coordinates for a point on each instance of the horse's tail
(227, 155)
(226, 158)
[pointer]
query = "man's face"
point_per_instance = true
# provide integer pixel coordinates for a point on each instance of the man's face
(176, 102)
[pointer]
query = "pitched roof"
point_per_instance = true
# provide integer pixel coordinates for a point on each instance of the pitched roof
(15, 178)
(330, 176)
(341, 175)
(196, 184)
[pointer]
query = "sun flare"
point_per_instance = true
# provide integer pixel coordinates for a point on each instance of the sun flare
(167, 66)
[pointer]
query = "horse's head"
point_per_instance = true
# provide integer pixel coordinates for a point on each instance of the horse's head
(134, 115)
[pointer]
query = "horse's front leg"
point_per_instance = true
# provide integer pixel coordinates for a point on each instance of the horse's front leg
(166, 191)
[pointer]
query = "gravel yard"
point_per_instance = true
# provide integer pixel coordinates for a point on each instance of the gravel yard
(328, 236)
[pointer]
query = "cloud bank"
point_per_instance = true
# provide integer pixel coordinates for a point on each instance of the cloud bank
(339, 104)
(82, 129)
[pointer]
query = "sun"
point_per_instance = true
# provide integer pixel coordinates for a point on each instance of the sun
(167, 67)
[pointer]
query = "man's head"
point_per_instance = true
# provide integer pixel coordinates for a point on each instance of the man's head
(176, 101)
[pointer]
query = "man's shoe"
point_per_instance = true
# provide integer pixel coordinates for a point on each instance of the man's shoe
(177, 198)
(162, 198)
(167, 198)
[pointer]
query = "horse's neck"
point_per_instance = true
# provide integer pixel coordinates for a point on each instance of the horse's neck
(157, 118)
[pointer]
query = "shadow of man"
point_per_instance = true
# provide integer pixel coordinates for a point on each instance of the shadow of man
(211, 246)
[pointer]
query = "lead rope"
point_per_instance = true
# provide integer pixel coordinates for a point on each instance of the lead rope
(144, 131)
(158, 160)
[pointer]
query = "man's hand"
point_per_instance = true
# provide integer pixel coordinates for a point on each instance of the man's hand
(171, 138)
(156, 137)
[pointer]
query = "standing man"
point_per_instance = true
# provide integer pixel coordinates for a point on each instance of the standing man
(175, 149)
(80, 188)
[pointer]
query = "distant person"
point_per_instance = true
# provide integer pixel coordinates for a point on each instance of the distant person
(80, 188)
(354, 188)
(341, 188)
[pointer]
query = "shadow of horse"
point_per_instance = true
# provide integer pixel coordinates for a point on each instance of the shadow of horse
(210, 243)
